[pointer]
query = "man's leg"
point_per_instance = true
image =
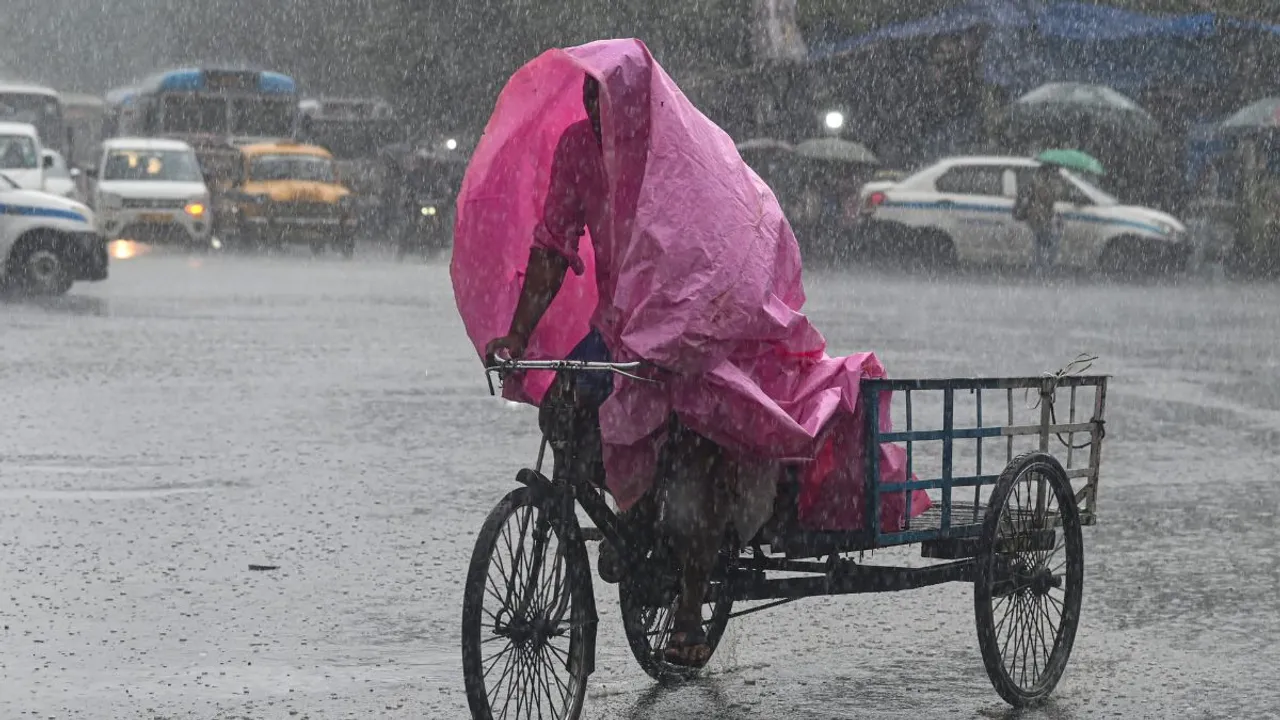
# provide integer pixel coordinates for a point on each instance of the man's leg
(1039, 263)
(695, 519)
(1054, 240)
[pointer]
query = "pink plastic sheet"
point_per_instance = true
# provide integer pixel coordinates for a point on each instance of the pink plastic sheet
(707, 284)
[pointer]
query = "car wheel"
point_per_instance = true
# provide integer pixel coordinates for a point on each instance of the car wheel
(41, 269)
(936, 251)
(1132, 257)
(876, 242)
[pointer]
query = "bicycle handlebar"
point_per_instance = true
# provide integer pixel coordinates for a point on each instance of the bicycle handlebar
(573, 365)
(506, 365)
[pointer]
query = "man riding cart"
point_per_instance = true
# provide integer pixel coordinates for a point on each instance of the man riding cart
(681, 258)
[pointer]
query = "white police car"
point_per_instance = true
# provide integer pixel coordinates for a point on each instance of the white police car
(961, 209)
(47, 242)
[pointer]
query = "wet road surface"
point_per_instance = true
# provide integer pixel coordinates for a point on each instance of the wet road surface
(195, 415)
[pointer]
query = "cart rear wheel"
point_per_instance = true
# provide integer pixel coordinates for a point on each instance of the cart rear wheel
(1029, 577)
(528, 613)
(647, 605)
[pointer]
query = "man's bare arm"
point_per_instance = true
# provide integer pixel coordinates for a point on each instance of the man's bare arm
(543, 277)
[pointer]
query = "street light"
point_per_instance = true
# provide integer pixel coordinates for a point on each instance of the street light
(451, 144)
(834, 120)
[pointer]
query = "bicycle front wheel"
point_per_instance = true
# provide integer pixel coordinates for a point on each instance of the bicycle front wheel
(528, 615)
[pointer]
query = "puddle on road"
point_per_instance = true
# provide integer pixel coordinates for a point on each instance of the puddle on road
(108, 493)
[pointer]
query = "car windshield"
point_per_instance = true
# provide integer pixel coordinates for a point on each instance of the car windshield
(18, 152)
(171, 165)
(291, 167)
(1095, 194)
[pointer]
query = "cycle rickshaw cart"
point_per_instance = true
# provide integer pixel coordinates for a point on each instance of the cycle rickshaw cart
(529, 616)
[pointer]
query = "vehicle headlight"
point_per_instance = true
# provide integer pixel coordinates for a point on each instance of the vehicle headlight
(196, 208)
(111, 200)
(428, 210)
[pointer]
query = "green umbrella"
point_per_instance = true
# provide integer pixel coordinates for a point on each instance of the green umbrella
(1072, 160)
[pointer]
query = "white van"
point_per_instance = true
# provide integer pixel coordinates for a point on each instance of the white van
(151, 190)
(21, 156)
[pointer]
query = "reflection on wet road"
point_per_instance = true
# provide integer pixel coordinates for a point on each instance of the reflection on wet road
(195, 415)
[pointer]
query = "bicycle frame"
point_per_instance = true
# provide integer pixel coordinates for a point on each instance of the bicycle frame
(563, 485)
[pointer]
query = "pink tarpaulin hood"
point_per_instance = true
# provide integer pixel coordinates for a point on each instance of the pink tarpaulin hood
(706, 259)
(706, 282)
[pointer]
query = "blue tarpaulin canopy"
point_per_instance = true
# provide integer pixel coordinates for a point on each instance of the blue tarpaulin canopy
(1027, 43)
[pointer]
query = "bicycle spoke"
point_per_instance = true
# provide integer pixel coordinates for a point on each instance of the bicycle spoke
(1024, 624)
(516, 685)
(502, 603)
(492, 660)
(562, 653)
(544, 685)
(1008, 635)
(551, 665)
(1048, 649)
(1035, 648)
(1057, 569)
(1029, 647)
(549, 592)
(519, 561)
(1008, 600)
(512, 661)
(1016, 639)
(540, 688)
(1053, 626)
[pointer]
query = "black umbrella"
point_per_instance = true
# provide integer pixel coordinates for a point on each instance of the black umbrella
(1078, 114)
(1262, 116)
(774, 160)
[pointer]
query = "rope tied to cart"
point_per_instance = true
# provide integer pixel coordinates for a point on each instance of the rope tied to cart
(1079, 366)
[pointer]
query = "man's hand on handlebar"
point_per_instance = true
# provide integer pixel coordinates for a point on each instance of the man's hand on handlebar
(507, 347)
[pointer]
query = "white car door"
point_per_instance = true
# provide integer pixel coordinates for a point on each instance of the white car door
(1082, 230)
(975, 209)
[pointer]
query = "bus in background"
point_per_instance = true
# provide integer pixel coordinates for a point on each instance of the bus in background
(212, 109)
(84, 117)
(117, 102)
(353, 130)
(36, 105)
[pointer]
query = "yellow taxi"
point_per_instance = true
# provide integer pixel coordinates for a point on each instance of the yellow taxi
(283, 192)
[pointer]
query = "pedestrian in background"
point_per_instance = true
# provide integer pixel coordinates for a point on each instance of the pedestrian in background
(1034, 206)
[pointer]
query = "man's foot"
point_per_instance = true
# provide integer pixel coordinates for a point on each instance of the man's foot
(688, 649)
(609, 565)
